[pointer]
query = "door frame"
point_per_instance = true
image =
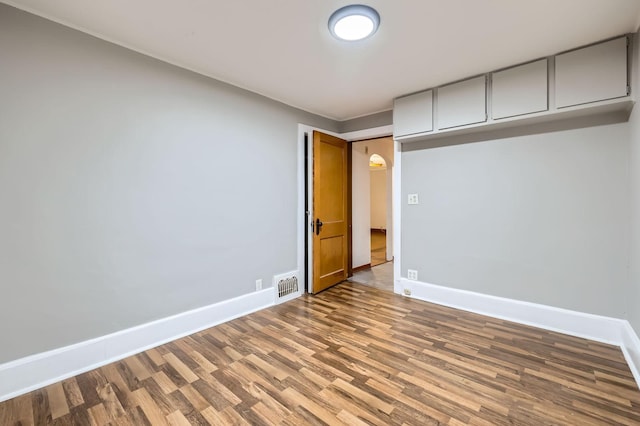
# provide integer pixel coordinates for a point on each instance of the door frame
(305, 185)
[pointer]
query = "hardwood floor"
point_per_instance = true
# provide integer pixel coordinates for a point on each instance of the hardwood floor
(351, 355)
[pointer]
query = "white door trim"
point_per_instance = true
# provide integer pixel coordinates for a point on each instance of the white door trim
(397, 213)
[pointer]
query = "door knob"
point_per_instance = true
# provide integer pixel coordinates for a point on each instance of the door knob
(318, 226)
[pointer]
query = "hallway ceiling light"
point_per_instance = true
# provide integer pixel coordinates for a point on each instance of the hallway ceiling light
(376, 162)
(354, 22)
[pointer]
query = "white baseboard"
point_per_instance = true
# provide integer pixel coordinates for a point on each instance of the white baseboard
(594, 327)
(33, 372)
(631, 349)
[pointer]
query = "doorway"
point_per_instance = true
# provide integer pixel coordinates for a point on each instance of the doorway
(372, 195)
(306, 190)
(378, 209)
(372, 212)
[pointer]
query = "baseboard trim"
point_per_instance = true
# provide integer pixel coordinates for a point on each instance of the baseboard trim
(631, 349)
(594, 327)
(362, 267)
(33, 372)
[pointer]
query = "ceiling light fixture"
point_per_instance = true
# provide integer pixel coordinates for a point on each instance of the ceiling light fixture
(354, 22)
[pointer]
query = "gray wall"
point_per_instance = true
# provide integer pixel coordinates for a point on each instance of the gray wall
(541, 218)
(634, 159)
(379, 119)
(130, 190)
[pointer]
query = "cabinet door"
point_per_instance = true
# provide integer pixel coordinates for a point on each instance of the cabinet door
(462, 103)
(413, 114)
(591, 74)
(520, 90)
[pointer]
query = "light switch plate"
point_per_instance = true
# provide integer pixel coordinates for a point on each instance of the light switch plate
(413, 199)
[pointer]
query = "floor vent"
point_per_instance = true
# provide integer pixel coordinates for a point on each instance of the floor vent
(286, 286)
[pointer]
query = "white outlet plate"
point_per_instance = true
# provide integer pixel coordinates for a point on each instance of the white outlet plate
(259, 285)
(413, 199)
(412, 274)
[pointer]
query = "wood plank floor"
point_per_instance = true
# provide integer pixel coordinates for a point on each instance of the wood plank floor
(351, 355)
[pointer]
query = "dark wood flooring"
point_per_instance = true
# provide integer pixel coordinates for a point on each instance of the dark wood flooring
(351, 355)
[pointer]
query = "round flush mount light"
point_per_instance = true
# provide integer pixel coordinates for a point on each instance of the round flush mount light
(354, 22)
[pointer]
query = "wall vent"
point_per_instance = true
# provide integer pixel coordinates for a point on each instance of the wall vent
(286, 286)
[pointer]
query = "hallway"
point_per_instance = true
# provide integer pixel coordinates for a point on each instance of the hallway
(378, 247)
(380, 277)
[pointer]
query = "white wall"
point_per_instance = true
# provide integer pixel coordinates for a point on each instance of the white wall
(541, 218)
(634, 159)
(378, 179)
(361, 203)
(127, 187)
(361, 200)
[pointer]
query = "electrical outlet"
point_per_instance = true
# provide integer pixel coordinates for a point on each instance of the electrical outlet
(259, 284)
(412, 274)
(407, 292)
(413, 199)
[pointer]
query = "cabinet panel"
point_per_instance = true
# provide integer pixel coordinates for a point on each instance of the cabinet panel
(592, 73)
(462, 103)
(520, 90)
(413, 114)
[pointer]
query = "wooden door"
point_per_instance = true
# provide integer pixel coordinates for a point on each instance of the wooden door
(330, 218)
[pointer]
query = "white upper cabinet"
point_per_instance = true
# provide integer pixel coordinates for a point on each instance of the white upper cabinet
(413, 114)
(584, 82)
(462, 103)
(520, 90)
(591, 74)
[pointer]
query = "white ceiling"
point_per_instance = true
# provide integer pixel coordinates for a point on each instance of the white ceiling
(282, 48)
